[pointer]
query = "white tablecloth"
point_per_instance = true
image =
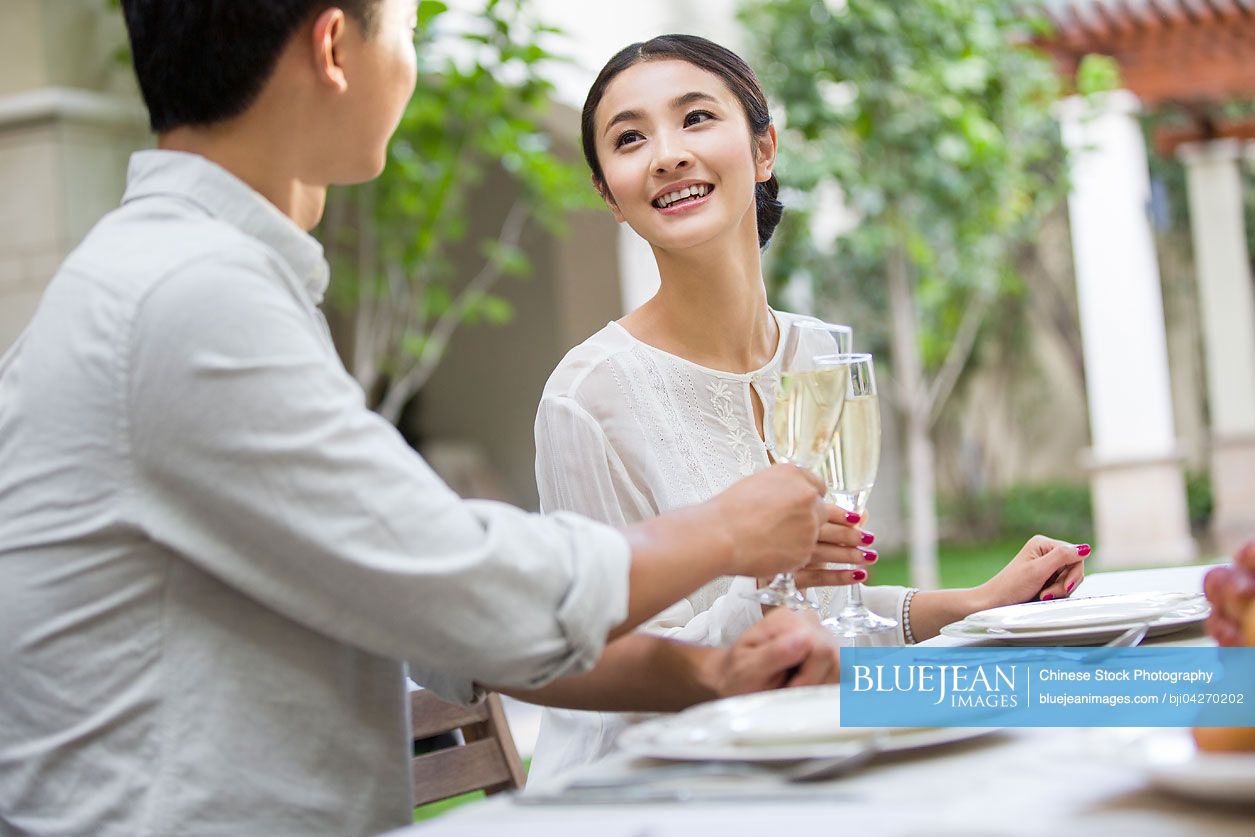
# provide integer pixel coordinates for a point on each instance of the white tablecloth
(1015, 782)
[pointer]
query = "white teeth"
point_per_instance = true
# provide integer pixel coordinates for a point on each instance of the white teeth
(666, 200)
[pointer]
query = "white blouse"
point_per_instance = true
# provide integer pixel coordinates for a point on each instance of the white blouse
(626, 431)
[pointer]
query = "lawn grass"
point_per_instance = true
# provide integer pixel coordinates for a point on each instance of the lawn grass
(962, 564)
(435, 809)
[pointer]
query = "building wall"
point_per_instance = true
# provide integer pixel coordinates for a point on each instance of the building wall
(69, 119)
(475, 416)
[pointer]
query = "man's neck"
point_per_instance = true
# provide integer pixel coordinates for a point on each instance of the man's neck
(256, 158)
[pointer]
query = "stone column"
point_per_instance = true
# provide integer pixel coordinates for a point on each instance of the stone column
(1138, 485)
(69, 118)
(1214, 178)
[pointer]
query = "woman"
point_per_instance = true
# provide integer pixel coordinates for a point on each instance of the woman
(665, 407)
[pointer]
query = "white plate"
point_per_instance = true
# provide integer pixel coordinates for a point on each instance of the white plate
(1090, 611)
(1172, 762)
(782, 725)
(1089, 635)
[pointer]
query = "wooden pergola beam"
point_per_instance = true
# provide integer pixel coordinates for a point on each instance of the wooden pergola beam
(1168, 140)
(1226, 9)
(1189, 51)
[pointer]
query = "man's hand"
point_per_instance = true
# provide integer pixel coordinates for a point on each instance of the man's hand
(772, 519)
(765, 524)
(784, 649)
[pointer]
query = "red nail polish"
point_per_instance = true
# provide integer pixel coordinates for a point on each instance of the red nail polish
(1070, 586)
(859, 575)
(1083, 550)
(1047, 597)
(853, 517)
(870, 555)
(868, 538)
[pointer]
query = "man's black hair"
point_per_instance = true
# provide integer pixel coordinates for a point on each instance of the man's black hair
(204, 61)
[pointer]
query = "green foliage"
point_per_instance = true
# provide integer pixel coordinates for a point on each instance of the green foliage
(400, 246)
(936, 127)
(1097, 74)
(1198, 499)
(1060, 510)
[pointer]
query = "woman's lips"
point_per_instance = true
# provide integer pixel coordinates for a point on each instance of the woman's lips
(685, 205)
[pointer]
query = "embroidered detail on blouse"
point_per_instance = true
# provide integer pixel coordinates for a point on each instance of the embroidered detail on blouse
(674, 420)
(721, 399)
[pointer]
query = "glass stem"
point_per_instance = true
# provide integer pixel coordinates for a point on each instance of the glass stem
(782, 583)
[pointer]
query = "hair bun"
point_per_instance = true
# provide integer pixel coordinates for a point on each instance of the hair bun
(769, 209)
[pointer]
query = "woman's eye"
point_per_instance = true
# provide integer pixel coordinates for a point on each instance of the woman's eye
(697, 117)
(627, 137)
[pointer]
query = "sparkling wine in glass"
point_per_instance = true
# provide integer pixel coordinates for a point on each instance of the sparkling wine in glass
(849, 471)
(812, 389)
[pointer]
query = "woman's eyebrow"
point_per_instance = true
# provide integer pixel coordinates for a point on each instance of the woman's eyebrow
(621, 116)
(690, 98)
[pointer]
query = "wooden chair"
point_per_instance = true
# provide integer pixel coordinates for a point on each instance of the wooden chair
(488, 761)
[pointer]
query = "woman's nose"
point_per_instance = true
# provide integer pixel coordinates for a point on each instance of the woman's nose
(670, 154)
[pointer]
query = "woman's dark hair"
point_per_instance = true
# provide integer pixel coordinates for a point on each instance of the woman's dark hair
(711, 57)
(204, 61)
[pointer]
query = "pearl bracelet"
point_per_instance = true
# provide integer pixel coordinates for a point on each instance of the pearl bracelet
(906, 615)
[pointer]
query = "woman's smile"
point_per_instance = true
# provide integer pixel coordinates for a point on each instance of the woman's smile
(686, 195)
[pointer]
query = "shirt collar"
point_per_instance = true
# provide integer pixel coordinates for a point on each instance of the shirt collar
(226, 197)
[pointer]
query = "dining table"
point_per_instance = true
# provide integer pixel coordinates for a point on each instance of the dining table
(1021, 781)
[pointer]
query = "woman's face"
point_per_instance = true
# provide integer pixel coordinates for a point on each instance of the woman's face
(679, 160)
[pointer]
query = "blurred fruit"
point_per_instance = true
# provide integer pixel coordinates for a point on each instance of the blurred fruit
(1231, 594)
(1225, 739)
(1248, 625)
(1246, 556)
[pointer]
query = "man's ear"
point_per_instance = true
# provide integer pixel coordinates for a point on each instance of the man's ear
(328, 38)
(604, 191)
(765, 155)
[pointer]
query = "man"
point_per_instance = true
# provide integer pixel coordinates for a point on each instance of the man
(214, 557)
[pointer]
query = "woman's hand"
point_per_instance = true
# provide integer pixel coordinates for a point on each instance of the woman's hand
(1044, 569)
(840, 542)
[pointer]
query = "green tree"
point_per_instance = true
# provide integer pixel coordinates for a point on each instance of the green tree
(477, 113)
(931, 122)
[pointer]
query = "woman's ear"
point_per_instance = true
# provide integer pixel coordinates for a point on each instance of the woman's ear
(604, 191)
(328, 36)
(765, 154)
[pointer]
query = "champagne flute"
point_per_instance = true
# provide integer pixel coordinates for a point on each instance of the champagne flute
(813, 386)
(849, 471)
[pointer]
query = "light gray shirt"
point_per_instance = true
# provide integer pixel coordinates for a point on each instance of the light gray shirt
(213, 557)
